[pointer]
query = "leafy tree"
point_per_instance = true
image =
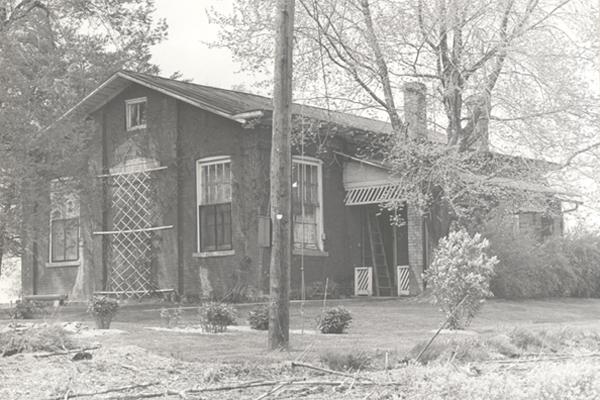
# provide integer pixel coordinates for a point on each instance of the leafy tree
(520, 69)
(52, 53)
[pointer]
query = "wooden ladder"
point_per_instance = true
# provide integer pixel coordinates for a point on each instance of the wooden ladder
(381, 272)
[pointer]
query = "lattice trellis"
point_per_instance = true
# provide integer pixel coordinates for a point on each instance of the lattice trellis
(134, 212)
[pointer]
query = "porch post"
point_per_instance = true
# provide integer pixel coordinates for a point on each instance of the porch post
(414, 221)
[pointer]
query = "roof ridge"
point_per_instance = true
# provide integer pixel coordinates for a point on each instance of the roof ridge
(195, 84)
(251, 94)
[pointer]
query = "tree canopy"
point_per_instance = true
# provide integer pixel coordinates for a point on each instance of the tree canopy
(52, 53)
(523, 72)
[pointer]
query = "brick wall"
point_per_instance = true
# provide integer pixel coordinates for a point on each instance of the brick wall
(415, 248)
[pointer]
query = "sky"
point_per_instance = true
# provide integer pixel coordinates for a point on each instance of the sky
(186, 49)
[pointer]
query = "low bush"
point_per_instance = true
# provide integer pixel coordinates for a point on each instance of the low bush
(460, 274)
(215, 317)
(258, 318)
(335, 320)
(27, 310)
(346, 361)
(171, 318)
(37, 338)
(103, 309)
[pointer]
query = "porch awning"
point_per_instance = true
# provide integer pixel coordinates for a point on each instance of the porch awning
(372, 194)
(368, 183)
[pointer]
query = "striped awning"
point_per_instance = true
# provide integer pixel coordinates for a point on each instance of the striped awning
(375, 194)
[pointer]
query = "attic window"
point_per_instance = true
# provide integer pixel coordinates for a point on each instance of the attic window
(135, 113)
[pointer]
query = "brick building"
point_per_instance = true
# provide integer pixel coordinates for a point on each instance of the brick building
(184, 177)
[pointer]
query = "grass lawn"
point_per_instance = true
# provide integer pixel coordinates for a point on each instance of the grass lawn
(392, 325)
(173, 362)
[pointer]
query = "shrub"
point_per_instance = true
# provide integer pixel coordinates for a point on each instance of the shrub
(215, 317)
(346, 361)
(103, 309)
(561, 266)
(335, 320)
(258, 318)
(171, 317)
(27, 309)
(461, 269)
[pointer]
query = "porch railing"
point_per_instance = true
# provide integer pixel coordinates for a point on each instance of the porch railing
(363, 281)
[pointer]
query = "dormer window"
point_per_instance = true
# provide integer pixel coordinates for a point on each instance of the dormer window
(135, 114)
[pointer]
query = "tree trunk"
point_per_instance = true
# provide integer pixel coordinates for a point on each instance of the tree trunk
(281, 208)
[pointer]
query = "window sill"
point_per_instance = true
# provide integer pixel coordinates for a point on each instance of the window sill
(62, 264)
(209, 254)
(310, 253)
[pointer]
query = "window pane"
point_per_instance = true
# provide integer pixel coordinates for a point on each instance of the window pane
(223, 226)
(227, 184)
(207, 228)
(57, 238)
(142, 113)
(72, 239)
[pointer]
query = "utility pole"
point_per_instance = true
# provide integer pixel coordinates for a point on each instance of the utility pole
(281, 164)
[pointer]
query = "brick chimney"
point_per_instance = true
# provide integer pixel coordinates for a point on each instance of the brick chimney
(415, 109)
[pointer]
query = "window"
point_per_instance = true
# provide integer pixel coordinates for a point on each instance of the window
(306, 203)
(64, 223)
(135, 113)
(537, 225)
(214, 204)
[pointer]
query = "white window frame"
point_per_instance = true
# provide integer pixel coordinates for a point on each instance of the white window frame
(201, 163)
(63, 187)
(320, 227)
(128, 106)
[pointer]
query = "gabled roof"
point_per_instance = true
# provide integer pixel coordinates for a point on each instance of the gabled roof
(230, 104)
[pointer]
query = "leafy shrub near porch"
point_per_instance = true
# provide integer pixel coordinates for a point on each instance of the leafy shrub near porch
(461, 269)
(258, 318)
(335, 320)
(25, 309)
(215, 317)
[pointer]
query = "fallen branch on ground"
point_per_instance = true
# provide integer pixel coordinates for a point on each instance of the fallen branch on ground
(63, 353)
(247, 385)
(70, 395)
(536, 359)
